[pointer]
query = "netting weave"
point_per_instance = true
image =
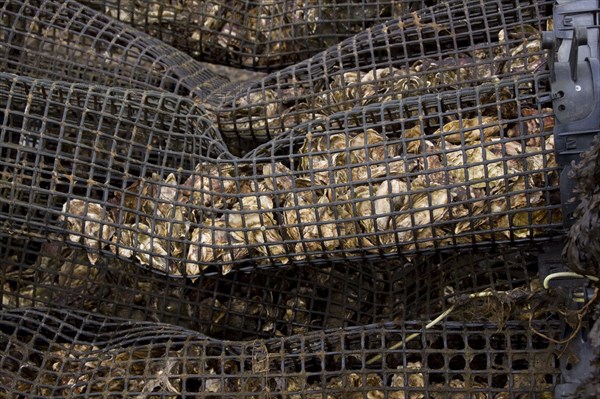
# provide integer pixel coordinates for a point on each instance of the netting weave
(362, 219)
(264, 35)
(276, 332)
(146, 174)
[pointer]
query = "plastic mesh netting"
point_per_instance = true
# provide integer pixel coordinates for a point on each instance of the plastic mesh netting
(64, 41)
(257, 302)
(302, 353)
(254, 34)
(364, 221)
(450, 46)
(145, 175)
(78, 354)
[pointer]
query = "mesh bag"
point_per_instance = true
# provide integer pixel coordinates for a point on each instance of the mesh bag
(72, 354)
(64, 41)
(481, 349)
(262, 35)
(364, 223)
(258, 302)
(450, 46)
(144, 175)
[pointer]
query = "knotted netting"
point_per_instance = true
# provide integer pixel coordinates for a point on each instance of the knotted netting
(364, 221)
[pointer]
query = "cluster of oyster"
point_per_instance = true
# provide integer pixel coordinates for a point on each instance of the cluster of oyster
(372, 385)
(78, 369)
(255, 34)
(274, 106)
(273, 303)
(350, 193)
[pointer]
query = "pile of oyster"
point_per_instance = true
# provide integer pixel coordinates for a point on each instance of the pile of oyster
(190, 364)
(348, 194)
(280, 102)
(87, 369)
(255, 34)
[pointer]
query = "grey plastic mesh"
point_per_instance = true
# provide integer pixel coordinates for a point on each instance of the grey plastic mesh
(65, 41)
(277, 332)
(365, 221)
(257, 34)
(146, 176)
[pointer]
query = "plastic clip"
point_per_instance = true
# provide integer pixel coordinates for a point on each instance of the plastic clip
(575, 86)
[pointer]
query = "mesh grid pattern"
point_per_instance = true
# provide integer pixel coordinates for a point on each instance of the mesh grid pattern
(450, 46)
(262, 35)
(454, 44)
(95, 356)
(171, 231)
(72, 352)
(145, 175)
(65, 41)
(258, 302)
